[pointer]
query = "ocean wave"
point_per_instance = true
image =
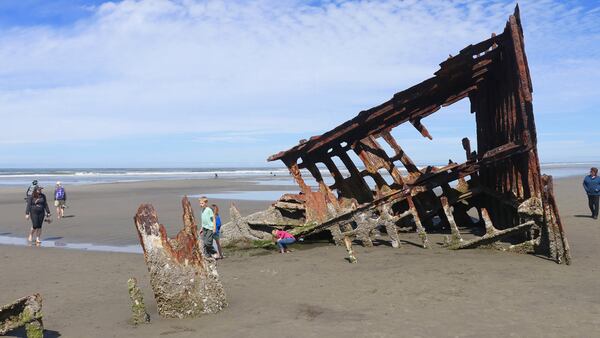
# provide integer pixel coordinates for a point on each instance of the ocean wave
(143, 173)
(23, 177)
(567, 164)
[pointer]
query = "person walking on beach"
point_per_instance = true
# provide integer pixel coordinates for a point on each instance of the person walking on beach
(60, 200)
(591, 184)
(215, 209)
(283, 239)
(209, 227)
(36, 206)
(31, 188)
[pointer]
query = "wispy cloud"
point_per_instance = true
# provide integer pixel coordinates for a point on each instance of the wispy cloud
(162, 67)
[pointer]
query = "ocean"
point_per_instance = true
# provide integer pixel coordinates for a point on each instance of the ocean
(79, 176)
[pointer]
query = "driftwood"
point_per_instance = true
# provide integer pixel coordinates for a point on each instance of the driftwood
(184, 280)
(27, 312)
(238, 230)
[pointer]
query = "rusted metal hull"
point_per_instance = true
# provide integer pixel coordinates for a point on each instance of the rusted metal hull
(502, 174)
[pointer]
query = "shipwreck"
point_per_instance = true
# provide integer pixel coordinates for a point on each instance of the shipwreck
(500, 179)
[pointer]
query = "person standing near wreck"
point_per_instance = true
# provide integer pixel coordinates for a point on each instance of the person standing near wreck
(209, 226)
(215, 209)
(591, 184)
(36, 205)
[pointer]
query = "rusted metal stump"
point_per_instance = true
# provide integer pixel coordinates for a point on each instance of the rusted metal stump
(184, 281)
(27, 312)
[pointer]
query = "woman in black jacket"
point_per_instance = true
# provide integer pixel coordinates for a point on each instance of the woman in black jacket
(36, 205)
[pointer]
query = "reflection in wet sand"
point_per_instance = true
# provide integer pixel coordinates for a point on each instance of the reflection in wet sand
(50, 243)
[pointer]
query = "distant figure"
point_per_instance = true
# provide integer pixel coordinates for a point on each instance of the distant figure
(209, 226)
(60, 200)
(591, 184)
(36, 205)
(31, 188)
(216, 175)
(216, 235)
(283, 238)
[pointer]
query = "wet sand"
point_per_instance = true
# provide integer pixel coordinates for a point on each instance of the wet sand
(406, 292)
(103, 213)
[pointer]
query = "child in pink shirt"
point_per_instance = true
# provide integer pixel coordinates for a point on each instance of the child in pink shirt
(283, 238)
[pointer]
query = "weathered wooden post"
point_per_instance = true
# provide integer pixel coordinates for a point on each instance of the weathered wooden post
(185, 282)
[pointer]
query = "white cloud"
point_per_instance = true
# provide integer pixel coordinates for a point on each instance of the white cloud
(184, 66)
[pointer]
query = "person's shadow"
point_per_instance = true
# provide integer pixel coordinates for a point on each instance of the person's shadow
(20, 332)
(583, 216)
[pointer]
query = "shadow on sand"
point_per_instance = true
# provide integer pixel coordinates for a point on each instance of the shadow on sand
(20, 332)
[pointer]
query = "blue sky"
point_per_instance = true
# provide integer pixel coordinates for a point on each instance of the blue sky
(167, 83)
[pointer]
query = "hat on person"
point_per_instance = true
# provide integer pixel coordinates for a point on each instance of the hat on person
(34, 182)
(57, 182)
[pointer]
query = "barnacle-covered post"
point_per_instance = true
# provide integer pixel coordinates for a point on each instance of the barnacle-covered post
(139, 315)
(24, 312)
(185, 282)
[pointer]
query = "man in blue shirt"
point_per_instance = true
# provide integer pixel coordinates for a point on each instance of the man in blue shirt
(591, 184)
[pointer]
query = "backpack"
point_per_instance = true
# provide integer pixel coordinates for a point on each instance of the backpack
(30, 191)
(59, 194)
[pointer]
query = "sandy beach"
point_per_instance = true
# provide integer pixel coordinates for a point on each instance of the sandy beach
(407, 146)
(405, 292)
